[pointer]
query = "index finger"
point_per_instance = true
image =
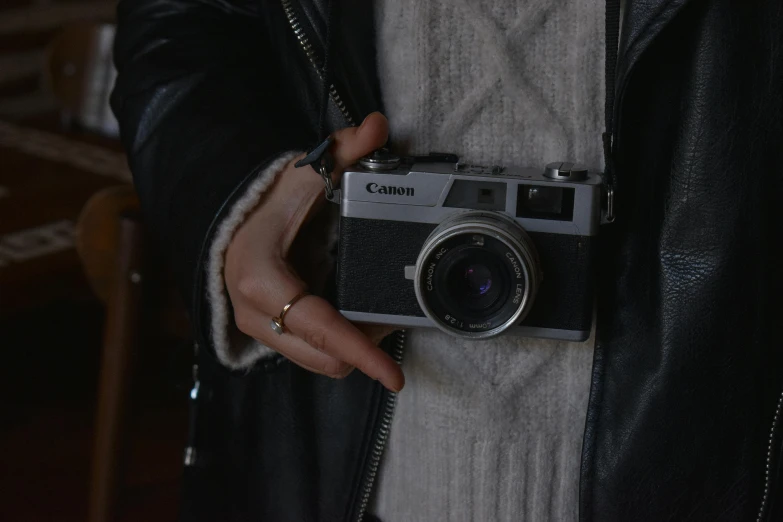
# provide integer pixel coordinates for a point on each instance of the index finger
(321, 326)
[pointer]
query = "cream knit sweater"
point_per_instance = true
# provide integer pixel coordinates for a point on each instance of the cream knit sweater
(490, 431)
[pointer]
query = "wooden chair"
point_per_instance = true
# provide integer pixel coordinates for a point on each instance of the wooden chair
(110, 244)
(110, 240)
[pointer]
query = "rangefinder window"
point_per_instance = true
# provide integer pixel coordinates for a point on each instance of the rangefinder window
(545, 202)
(478, 195)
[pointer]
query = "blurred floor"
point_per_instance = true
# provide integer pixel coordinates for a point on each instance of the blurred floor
(48, 379)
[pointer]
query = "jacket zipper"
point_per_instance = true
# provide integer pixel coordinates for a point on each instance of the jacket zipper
(770, 452)
(314, 58)
(381, 435)
(384, 427)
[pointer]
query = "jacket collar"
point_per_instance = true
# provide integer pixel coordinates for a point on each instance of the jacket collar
(643, 21)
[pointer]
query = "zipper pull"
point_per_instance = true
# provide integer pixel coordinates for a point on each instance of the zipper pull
(191, 451)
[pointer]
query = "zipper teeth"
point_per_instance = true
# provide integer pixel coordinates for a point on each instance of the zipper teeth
(383, 434)
(768, 468)
(315, 60)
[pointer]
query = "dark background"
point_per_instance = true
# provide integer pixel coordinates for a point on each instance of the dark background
(51, 322)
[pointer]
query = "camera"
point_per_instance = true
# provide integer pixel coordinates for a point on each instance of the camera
(473, 250)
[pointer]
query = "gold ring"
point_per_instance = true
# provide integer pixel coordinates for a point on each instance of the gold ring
(277, 323)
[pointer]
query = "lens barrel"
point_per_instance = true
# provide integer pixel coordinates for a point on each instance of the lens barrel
(477, 274)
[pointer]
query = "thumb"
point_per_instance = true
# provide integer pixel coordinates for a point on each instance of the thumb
(352, 143)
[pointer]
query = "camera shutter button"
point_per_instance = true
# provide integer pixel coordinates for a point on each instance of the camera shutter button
(380, 160)
(566, 171)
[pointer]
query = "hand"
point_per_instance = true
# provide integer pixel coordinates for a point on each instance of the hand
(261, 280)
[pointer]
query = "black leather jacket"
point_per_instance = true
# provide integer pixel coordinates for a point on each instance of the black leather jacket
(684, 419)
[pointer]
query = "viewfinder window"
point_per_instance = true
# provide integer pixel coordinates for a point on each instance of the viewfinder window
(545, 202)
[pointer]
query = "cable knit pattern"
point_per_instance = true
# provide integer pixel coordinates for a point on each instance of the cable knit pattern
(234, 349)
(490, 431)
(498, 80)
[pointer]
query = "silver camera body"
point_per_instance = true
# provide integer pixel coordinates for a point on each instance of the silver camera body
(472, 250)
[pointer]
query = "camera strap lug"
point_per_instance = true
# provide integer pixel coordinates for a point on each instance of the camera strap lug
(335, 197)
(322, 162)
(608, 212)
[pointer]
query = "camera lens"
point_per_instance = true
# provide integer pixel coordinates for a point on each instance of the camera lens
(477, 274)
(478, 280)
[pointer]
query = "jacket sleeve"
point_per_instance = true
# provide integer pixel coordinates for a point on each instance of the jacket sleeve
(232, 348)
(203, 110)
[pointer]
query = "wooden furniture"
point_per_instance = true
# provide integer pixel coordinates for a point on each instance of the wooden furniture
(123, 294)
(110, 240)
(111, 244)
(45, 180)
(48, 171)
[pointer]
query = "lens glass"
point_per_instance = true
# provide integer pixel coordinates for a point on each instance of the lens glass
(478, 279)
(473, 279)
